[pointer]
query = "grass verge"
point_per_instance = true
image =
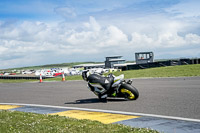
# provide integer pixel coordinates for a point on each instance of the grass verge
(170, 71)
(14, 121)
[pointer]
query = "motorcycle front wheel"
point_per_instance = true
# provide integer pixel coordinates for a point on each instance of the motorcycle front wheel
(129, 92)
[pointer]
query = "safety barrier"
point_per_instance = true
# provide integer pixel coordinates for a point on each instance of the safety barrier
(163, 63)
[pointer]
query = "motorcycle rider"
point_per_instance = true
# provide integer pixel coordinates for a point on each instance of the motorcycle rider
(105, 82)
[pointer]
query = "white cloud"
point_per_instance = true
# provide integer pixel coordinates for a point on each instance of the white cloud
(192, 39)
(93, 24)
(95, 35)
(141, 40)
(188, 8)
(66, 12)
(31, 43)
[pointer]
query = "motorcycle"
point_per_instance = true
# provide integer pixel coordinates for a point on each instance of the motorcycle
(111, 86)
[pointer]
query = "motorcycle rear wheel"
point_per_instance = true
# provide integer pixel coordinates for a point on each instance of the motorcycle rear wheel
(129, 92)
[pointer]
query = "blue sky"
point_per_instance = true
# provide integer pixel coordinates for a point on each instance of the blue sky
(36, 32)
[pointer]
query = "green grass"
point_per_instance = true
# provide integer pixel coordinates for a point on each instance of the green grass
(170, 71)
(14, 122)
(50, 66)
(59, 78)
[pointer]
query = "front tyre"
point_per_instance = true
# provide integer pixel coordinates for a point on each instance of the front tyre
(129, 92)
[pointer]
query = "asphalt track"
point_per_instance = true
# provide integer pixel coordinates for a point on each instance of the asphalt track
(178, 97)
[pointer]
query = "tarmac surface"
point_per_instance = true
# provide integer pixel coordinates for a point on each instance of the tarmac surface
(173, 97)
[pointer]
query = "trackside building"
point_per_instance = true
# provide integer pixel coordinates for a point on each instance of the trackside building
(112, 60)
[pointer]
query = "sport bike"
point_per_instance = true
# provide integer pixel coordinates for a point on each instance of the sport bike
(110, 86)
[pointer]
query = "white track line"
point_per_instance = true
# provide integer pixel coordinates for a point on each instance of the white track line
(107, 111)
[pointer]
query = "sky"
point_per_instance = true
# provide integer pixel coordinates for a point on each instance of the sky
(39, 32)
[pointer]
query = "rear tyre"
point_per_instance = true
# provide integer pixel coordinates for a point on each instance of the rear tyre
(129, 92)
